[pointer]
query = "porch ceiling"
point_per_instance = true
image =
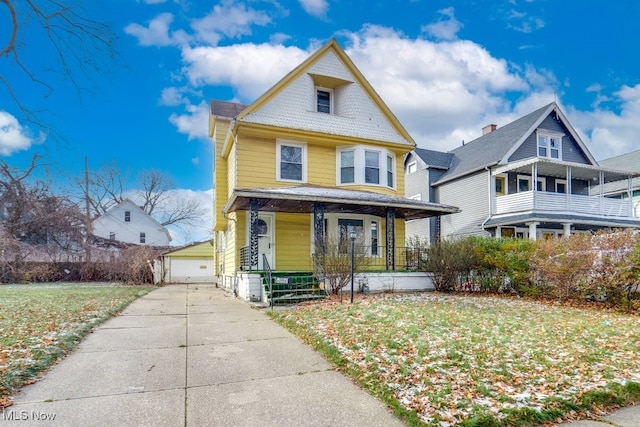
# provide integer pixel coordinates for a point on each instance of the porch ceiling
(521, 219)
(558, 169)
(301, 199)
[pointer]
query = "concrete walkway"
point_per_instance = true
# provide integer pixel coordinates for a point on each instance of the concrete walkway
(190, 355)
(194, 356)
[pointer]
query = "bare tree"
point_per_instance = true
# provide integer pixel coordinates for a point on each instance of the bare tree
(77, 41)
(155, 195)
(32, 215)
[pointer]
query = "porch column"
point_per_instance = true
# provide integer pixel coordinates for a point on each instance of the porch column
(391, 239)
(318, 225)
(253, 233)
(566, 229)
(630, 196)
(533, 231)
(569, 191)
(601, 192)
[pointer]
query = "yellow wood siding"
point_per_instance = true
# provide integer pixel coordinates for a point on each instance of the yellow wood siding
(200, 250)
(322, 165)
(221, 175)
(293, 242)
(256, 159)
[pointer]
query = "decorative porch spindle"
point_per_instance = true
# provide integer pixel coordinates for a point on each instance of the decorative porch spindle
(253, 233)
(391, 239)
(318, 224)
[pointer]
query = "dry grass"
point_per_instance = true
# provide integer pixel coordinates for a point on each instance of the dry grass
(41, 323)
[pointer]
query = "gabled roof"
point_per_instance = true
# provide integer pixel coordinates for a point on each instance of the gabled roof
(434, 159)
(334, 47)
(496, 147)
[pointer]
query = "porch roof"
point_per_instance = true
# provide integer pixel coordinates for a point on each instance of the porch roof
(301, 199)
(558, 168)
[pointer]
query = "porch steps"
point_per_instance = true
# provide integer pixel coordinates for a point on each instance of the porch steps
(293, 287)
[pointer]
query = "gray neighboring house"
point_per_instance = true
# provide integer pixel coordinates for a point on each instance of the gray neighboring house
(620, 189)
(531, 178)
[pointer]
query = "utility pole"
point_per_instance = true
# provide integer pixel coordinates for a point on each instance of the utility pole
(87, 248)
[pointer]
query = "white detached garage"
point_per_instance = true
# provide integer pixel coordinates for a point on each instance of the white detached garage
(188, 264)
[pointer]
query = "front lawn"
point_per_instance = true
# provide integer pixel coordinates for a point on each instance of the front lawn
(41, 323)
(448, 360)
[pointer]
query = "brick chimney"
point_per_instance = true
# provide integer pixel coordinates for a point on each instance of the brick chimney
(489, 128)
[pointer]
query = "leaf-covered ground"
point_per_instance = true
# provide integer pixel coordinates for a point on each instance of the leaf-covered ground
(40, 323)
(455, 359)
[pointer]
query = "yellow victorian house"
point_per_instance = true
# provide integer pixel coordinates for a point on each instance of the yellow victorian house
(318, 154)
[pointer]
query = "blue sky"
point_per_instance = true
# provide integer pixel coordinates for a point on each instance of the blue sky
(445, 68)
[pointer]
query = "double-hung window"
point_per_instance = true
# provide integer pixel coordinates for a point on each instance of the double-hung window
(550, 146)
(143, 237)
(372, 167)
(324, 100)
(127, 216)
(389, 171)
(347, 167)
(291, 162)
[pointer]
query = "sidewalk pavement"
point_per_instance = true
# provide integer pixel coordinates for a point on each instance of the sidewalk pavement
(191, 355)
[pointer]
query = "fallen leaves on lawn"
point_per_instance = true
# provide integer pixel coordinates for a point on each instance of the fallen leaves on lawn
(450, 357)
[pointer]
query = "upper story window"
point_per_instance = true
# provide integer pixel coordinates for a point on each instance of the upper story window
(291, 161)
(347, 167)
(363, 165)
(550, 145)
(127, 216)
(372, 167)
(412, 168)
(324, 100)
(143, 237)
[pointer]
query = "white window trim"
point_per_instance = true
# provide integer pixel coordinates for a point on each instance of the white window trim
(315, 99)
(359, 165)
(561, 181)
(529, 179)
(332, 227)
(303, 145)
(548, 135)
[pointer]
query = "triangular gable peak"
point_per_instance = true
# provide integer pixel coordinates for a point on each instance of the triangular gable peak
(551, 121)
(357, 111)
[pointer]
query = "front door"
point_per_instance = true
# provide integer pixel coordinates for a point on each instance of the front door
(265, 240)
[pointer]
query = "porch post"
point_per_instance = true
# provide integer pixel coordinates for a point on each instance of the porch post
(569, 188)
(318, 225)
(630, 196)
(253, 233)
(391, 239)
(601, 192)
(533, 231)
(566, 229)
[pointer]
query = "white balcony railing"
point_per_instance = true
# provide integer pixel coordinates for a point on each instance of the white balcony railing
(555, 202)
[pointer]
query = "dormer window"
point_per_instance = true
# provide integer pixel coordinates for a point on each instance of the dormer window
(324, 99)
(550, 145)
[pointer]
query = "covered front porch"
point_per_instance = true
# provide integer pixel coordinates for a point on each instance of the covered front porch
(286, 226)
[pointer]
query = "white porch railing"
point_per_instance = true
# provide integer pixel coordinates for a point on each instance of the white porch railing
(547, 201)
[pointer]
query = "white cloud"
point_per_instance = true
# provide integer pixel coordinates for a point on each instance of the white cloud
(230, 20)
(446, 28)
(194, 121)
(249, 68)
(316, 8)
(157, 33)
(609, 132)
(13, 136)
